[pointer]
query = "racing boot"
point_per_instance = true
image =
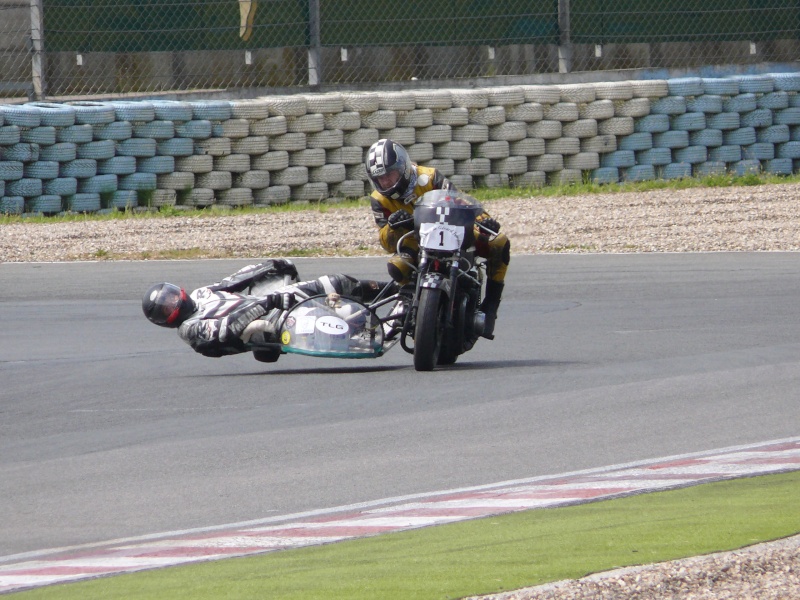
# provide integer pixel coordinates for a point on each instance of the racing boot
(400, 267)
(489, 306)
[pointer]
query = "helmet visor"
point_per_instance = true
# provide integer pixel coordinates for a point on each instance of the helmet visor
(167, 304)
(386, 182)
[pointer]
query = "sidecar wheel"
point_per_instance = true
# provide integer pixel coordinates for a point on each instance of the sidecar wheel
(267, 356)
(428, 331)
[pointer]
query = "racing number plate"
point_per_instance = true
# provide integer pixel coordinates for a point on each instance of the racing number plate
(441, 236)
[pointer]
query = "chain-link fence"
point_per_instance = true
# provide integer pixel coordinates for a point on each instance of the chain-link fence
(15, 56)
(52, 48)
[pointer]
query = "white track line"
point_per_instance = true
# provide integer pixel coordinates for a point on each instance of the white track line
(46, 567)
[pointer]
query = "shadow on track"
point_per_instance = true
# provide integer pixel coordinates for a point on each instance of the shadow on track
(478, 366)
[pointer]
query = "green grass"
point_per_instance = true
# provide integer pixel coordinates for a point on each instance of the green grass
(484, 555)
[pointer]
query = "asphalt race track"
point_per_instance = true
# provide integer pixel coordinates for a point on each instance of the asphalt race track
(111, 427)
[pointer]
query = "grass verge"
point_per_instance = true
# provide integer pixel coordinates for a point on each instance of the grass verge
(484, 555)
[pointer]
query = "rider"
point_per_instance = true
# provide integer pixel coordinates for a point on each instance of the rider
(221, 318)
(397, 183)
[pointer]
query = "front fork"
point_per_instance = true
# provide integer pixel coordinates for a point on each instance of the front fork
(411, 316)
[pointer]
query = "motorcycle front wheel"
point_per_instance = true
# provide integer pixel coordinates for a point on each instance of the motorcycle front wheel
(429, 329)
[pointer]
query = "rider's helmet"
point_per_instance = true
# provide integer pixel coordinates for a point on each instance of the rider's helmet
(167, 305)
(390, 170)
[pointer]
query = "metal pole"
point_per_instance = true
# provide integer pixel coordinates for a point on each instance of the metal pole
(37, 47)
(564, 41)
(314, 49)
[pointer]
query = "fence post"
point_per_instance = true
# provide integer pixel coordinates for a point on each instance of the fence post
(564, 41)
(37, 74)
(314, 51)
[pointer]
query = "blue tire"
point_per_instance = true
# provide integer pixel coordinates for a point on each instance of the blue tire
(9, 135)
(133, 110)
(88, 112)
(99, 184)
(636, 141)
(774, 134)
(710, 168)
(26, 187)
(779, 166)
(175, 147)
(12, 205)
(138, 182)
(23, 152)
(654, 156)
(79, 168)
(685, 86)
(756, 84)
(158, 130)
(54, 114)
(11, 170)
(747, 167)
(759, 151)
(44, 136)
(138, 147)
(60, 186)
(21, 115)
(726, 154)
(47, 204)
(690, 155)
(761, 117)
(84, 202)
(689, 121)
(788, 82)
(172, 110)
(59, 152)
(117, 131)
(118, 165)
(97, 150)
(741, 103)
(652, 124)
(212, 110)
(720, 86)
(42, 169)
(605, 175)
(640, 173)
(676, 170)
(156, 164)
(76, 134)
(199, 129)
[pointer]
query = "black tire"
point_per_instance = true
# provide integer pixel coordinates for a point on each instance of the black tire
(267, 356)
(428, 331)
(453, 345)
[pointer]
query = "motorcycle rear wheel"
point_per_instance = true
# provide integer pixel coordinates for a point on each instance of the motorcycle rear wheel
(429, 329)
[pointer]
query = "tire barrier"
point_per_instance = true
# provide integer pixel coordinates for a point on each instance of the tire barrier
(90, 156)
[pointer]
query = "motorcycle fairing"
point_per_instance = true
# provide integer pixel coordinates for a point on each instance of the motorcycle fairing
(334, 327)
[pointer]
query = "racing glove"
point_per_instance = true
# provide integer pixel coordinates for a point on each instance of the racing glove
(400, 218)
(281, 300)
(491, 224)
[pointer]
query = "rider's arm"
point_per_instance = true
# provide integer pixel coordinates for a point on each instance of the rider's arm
(382, 208)
(245, 277)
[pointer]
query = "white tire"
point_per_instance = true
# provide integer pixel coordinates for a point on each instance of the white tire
(270, 126)
(345, 121)
(307, 123)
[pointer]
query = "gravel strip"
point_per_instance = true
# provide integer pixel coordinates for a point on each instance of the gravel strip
(769, 571)
(758, 218)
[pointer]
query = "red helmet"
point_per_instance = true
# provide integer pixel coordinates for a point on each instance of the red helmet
(167, 305)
